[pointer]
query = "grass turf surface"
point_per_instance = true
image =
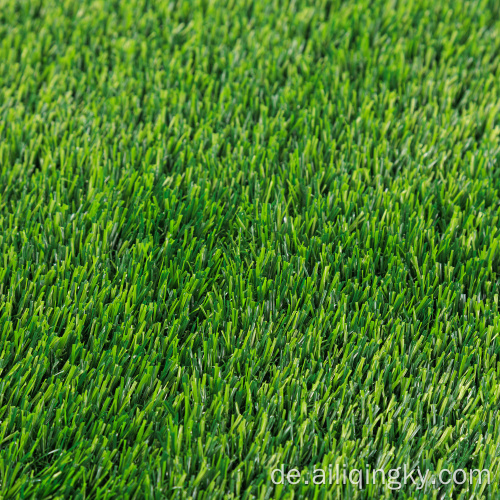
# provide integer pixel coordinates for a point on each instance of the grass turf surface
(240, 234)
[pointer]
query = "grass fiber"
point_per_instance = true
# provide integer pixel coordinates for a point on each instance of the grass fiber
(238, 234)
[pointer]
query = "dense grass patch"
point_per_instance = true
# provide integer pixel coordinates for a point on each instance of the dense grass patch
(238, 234)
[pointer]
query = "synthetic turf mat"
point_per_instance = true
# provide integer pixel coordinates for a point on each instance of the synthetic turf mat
(239, 234)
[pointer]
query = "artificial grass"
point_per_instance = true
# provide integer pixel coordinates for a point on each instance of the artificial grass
(238, 234)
